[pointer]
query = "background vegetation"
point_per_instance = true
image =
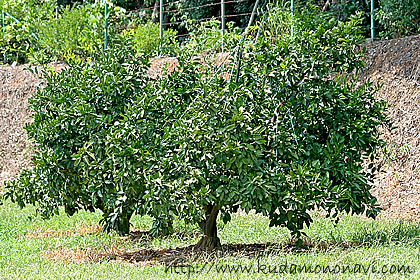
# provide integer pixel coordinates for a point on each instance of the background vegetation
(43, 35)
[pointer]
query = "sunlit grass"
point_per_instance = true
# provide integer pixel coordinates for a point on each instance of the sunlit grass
(368, 242)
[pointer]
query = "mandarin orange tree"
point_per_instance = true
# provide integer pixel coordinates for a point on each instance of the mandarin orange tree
(288, 136)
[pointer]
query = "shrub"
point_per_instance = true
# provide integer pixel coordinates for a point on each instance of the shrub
(323, 128)
(287, 139)
(207, 37)
(19, 35)
(78, 31)
(146, 40)
(15, 43)
(342, 10)
(398, 18)
(40, 36)
(139, 145)
(73, 112)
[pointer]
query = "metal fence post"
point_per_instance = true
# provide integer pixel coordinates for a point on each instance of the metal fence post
(372, 20)
(223, 25)
(106, 27)
(56, 29)
(160, 26)
(251, 20)
(4, 35)
(292, 8)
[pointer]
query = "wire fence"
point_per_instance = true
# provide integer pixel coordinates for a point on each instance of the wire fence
(223, 16)
(5, 14)
(168, 8)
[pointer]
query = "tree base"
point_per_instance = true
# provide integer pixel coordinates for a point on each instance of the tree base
(208, 243)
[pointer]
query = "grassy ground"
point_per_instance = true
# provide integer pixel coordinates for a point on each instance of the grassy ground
(28, 245)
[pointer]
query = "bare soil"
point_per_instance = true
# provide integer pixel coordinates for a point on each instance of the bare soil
(394, 63)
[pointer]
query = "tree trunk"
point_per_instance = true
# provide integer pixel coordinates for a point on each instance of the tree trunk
(210, 240)
(123, 223)
(155, 13)
(326, 6)
(329, 3)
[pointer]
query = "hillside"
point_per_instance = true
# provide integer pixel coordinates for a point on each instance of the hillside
(394, 63)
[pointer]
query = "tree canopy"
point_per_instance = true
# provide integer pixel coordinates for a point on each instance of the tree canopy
(290, 135)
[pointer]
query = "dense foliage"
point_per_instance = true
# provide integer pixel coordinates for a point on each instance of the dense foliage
(75, 110)
(36, 32)
(285, 140)
(40, 32)
(145, 39)
(18, 39)
(398, 18)
(323, 127)
(84, 33)
(206, 37)
(289, 136)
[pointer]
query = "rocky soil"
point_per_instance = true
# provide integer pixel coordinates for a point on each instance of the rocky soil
(394, 63)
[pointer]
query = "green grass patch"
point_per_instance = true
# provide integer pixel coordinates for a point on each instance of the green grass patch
(353, 242)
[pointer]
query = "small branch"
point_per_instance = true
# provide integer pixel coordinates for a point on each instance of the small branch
(326, 6)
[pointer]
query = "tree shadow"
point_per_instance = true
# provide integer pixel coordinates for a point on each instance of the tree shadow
(364, 236)
(403, 233)
(183, 255)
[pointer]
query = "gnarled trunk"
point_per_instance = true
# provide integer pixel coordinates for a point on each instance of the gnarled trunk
(210, 240)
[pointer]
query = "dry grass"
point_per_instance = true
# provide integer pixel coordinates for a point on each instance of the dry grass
(38, 232)
(161, 65)
(66, 255)
(48, 233)
(70, 256)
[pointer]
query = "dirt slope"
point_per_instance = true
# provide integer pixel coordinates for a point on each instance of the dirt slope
(395, 63)
(16, 85)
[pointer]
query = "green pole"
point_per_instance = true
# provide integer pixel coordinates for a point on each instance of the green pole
(106, 27)
(4, 35)
(160, 25)
(372, 20)
(251, 20)
(223, 25)
(2, 19)
(292, 7)
(56, 28)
